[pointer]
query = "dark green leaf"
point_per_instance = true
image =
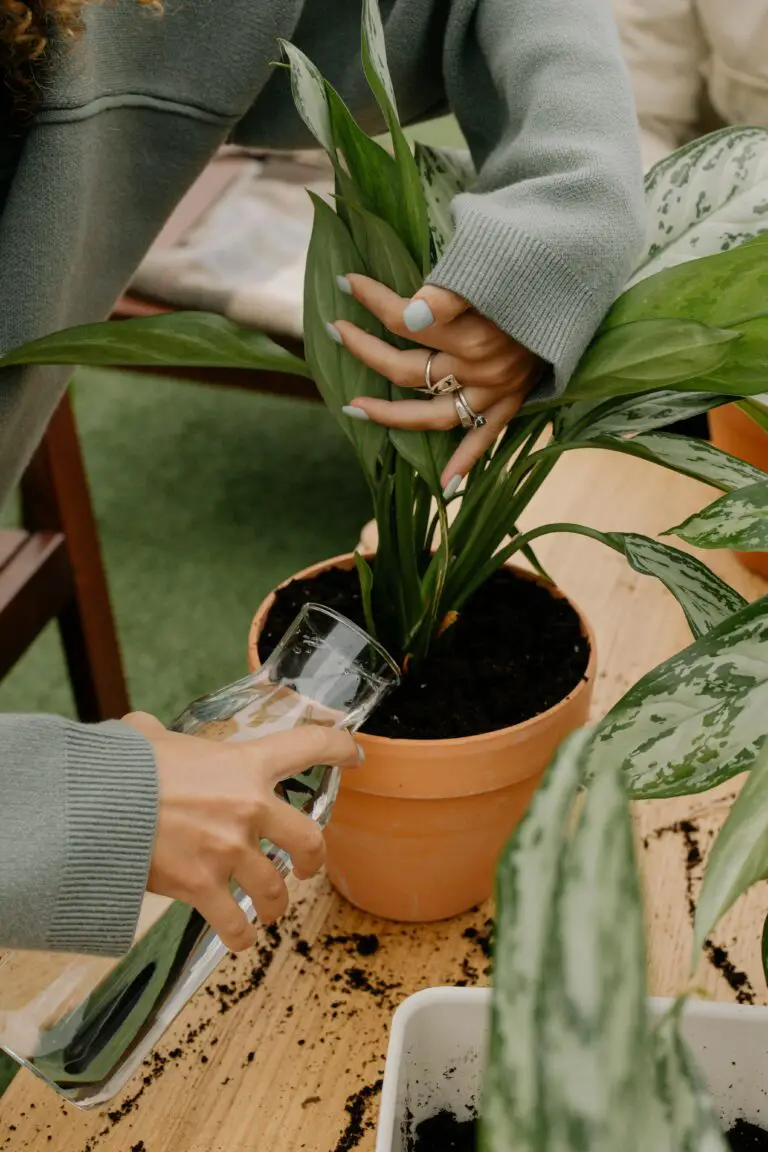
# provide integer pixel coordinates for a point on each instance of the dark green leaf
(370, 170)
(339, 375)
(366, 589)
(647, 354)
(376, 69)
(385, 256)
(174, 339)
(722, 289)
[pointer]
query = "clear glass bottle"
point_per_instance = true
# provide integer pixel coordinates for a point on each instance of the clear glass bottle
(86, 1024)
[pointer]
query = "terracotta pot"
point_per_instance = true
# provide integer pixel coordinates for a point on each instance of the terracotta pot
(734, 432)
(416, 832)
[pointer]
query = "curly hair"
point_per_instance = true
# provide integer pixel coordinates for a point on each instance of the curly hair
(26, 27)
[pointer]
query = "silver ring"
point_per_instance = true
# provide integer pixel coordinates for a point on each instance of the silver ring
(430, 387)
(468, 418)
(443, 387)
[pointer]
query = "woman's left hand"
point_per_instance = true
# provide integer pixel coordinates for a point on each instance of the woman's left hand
(495, 372)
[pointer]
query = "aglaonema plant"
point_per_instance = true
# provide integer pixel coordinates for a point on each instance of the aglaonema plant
(578, 1062)
(688, 334)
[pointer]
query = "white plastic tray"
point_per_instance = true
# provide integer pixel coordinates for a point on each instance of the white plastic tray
(437, 1052)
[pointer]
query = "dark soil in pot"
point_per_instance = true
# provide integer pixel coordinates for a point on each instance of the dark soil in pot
(744, 1137)
(514, 652)
(444, 1133)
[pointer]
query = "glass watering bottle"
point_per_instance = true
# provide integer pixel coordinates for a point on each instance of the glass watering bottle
(86, 1024)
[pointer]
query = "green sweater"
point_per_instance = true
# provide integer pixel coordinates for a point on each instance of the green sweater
(129, 118)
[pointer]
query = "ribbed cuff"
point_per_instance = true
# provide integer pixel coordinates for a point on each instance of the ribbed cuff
(528, 291)
(111, 797)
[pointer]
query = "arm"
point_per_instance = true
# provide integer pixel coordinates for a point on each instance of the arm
(79, 807)
(665, 49)
(547, 238)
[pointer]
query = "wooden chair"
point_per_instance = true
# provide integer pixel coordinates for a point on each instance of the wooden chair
(52, 569)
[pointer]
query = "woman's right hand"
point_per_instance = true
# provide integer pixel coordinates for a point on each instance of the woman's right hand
(216, 802)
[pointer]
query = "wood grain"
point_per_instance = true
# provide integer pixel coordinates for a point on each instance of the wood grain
(316, 1040)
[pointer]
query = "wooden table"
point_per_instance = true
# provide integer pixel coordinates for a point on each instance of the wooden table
(294, 1060)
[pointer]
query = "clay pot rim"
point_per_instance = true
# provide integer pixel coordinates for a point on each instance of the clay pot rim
(346, 561)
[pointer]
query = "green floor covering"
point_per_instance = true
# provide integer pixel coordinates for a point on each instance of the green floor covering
(206, 498)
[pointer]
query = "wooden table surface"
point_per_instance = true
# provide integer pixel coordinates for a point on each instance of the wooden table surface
(284, 1051)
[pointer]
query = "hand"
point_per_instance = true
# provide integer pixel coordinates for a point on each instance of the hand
(216, 802)
(495, 371)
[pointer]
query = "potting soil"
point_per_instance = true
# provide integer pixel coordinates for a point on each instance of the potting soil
(444, 1133)
(514, 651)
(744, 1137)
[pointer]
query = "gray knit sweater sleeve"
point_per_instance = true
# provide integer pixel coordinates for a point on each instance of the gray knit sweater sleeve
(78, 806)
(546, 239)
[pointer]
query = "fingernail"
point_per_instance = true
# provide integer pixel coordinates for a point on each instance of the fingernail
(361, 753)
(344, 285)
(452, 487)
(355, 413)
(417, 315)
(334, 333)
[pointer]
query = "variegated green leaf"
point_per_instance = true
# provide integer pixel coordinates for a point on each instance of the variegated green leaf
(646, 354)
(699, 718)
(706, 198)
(688, 1121)
(527, 883)
(339, 376)
(739, 855)
(309, 96)
(375, 59)
(737, 520)
(445, 174)
(691, 457)
(636, 414)
(174, 339)
(705, 599)
(594, 1038)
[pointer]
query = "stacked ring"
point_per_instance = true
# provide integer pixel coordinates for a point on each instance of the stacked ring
(443, 387)
(468, 418)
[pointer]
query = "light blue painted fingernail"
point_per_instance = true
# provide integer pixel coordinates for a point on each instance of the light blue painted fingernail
(355, 413)
(344, 285)
(334, 333)
(452, 487)
(417, 316)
